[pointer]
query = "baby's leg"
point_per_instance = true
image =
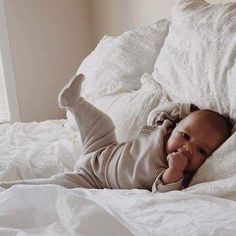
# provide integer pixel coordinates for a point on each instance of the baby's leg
(67, 180)
(96, 128)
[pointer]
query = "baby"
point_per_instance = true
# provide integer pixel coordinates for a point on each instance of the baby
(159, 159)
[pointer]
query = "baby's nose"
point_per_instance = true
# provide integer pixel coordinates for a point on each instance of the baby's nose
(188, 148)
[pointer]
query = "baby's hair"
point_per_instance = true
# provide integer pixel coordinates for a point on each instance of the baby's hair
(224, 120)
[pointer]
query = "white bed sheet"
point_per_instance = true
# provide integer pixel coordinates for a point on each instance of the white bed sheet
(58, 211)
(37, 149)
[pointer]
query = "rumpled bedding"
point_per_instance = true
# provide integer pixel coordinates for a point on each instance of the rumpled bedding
(37, 149)
(51, 147)
(58, 211)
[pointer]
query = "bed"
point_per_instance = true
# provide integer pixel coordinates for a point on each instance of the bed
(188, 58)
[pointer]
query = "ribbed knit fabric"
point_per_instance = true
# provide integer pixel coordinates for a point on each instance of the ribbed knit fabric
(67, 180)
(104, 163)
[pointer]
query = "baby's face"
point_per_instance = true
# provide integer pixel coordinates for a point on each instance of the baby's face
(196, 138)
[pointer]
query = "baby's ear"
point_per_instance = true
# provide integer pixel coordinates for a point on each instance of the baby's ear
(193, 108)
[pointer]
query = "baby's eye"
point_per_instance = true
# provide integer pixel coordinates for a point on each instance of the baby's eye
(202, 151)
(184, 135)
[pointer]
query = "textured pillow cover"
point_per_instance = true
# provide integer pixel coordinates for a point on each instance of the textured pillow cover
(117, 63)
(197, 61)
(129, 110)
(197, 65)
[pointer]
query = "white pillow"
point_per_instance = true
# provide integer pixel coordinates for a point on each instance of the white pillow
(197, 61)
(197, 65)
(129, 110)
(221, 165)
(117, 63)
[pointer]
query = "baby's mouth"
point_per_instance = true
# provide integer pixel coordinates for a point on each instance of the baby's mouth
(186, 152)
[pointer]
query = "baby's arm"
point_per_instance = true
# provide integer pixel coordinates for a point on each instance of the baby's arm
(171, 178)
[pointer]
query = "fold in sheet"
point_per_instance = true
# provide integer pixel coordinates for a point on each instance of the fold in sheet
(58, 211)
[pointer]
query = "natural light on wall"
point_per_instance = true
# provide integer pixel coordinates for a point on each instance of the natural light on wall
(4, 109)
(9, 109)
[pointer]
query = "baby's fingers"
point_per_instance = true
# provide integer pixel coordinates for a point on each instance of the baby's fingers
(177, 161)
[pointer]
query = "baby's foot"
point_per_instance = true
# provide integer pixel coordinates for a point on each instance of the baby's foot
(71, 92)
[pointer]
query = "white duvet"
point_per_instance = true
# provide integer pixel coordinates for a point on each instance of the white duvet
(53, 210)
(37, 149)
(51, 147)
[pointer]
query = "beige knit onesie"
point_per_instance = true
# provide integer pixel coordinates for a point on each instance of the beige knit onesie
(104, 162)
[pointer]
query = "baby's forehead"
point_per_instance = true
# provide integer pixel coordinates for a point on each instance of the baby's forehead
(200, 122)
(202, 129)
(204, 116)
(206, 122)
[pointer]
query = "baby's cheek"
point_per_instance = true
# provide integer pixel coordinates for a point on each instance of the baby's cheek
(196, 163)
(172, 145)
(169, 147)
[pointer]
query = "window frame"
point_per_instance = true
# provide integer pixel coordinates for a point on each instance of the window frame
(8, 72)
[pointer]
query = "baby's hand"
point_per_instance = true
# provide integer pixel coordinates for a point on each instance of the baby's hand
(177, 164)
(177, 161)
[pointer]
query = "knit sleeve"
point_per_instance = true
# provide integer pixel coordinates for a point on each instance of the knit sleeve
(159, 186)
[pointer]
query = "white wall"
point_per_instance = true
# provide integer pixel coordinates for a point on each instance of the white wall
(48, 40)
(116, 16)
